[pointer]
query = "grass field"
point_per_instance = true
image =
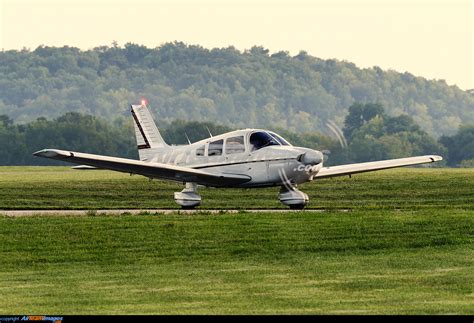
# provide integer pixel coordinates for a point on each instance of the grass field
(404, 247)
(63, 188)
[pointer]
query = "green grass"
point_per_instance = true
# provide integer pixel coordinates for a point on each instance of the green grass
(63, 188)
(405, 247)
(333, 263)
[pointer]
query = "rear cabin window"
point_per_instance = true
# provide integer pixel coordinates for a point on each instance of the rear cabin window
(215, 148)
(234, 145)
(200, 151)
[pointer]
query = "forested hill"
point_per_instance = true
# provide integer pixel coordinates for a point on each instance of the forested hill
(239, 89)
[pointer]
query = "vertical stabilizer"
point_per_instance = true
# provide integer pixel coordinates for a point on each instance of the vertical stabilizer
(149, 140)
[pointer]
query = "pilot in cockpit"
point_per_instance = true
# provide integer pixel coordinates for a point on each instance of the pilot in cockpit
(262, 139)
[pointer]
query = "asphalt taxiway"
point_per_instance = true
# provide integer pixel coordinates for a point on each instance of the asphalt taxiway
(20, 213)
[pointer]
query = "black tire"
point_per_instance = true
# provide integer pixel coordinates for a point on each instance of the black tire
(192, 207)
(297, 206)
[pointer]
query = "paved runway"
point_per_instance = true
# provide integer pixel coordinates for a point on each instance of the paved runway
(19, 213)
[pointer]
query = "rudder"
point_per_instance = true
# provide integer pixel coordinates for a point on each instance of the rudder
(149, 140)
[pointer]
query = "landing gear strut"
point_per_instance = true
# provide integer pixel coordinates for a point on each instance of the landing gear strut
(294, 198)
(188, 198)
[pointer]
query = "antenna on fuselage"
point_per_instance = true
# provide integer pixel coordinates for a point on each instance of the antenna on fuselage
(189, 141)
(210, 134)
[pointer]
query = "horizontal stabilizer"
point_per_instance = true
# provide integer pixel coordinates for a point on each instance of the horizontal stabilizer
(84, 167)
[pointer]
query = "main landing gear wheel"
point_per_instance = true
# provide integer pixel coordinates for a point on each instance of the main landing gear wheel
(188, 198)
(294, 198)
(297, 206)
(188, 207)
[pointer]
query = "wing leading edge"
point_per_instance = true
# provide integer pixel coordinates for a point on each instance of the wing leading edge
(376, 165)
(154, 170)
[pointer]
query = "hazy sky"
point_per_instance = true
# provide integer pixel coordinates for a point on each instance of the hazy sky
(430, 38)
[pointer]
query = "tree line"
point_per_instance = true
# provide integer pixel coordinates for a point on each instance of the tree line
(369, 133)
(251, 88)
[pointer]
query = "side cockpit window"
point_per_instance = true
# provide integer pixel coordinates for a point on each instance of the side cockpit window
(261, 139)
(215, 148)
(234, 145)
(200, 151)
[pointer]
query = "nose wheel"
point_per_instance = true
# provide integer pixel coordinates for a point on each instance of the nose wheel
(293, 197)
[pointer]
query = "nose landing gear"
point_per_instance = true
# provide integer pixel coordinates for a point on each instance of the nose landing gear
(294, 198)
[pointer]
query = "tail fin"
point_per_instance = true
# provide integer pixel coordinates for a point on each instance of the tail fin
(149, 140)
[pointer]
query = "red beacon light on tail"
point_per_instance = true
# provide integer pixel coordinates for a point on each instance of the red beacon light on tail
(143, 102)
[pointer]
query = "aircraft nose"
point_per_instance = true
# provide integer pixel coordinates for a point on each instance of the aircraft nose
(311, 157)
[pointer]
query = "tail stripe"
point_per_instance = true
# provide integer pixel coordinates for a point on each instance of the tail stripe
(147, 143)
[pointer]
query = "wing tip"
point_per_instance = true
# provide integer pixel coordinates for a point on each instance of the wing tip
(49, 153)
(435, 158)
(42, 153)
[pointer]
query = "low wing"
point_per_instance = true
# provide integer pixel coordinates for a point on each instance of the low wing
(376, 165)
(154, 170)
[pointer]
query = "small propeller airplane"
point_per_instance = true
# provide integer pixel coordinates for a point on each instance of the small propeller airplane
(247, 158)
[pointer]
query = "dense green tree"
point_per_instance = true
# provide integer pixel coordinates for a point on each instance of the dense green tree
(373, 135)
(72, 131)
(12, 144)
(5, 121)
(359, 114)
(460, 146)
(177, 131)
(400, 124)
(301, 95)
(253, 88)
(379, 138)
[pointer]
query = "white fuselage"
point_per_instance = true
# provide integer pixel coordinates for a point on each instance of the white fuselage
(267, 166)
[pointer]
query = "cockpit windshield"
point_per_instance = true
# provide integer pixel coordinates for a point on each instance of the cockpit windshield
(262, 139)
(280, 139)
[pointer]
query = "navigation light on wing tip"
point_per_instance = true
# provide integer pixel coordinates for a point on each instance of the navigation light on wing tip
(143, 102)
